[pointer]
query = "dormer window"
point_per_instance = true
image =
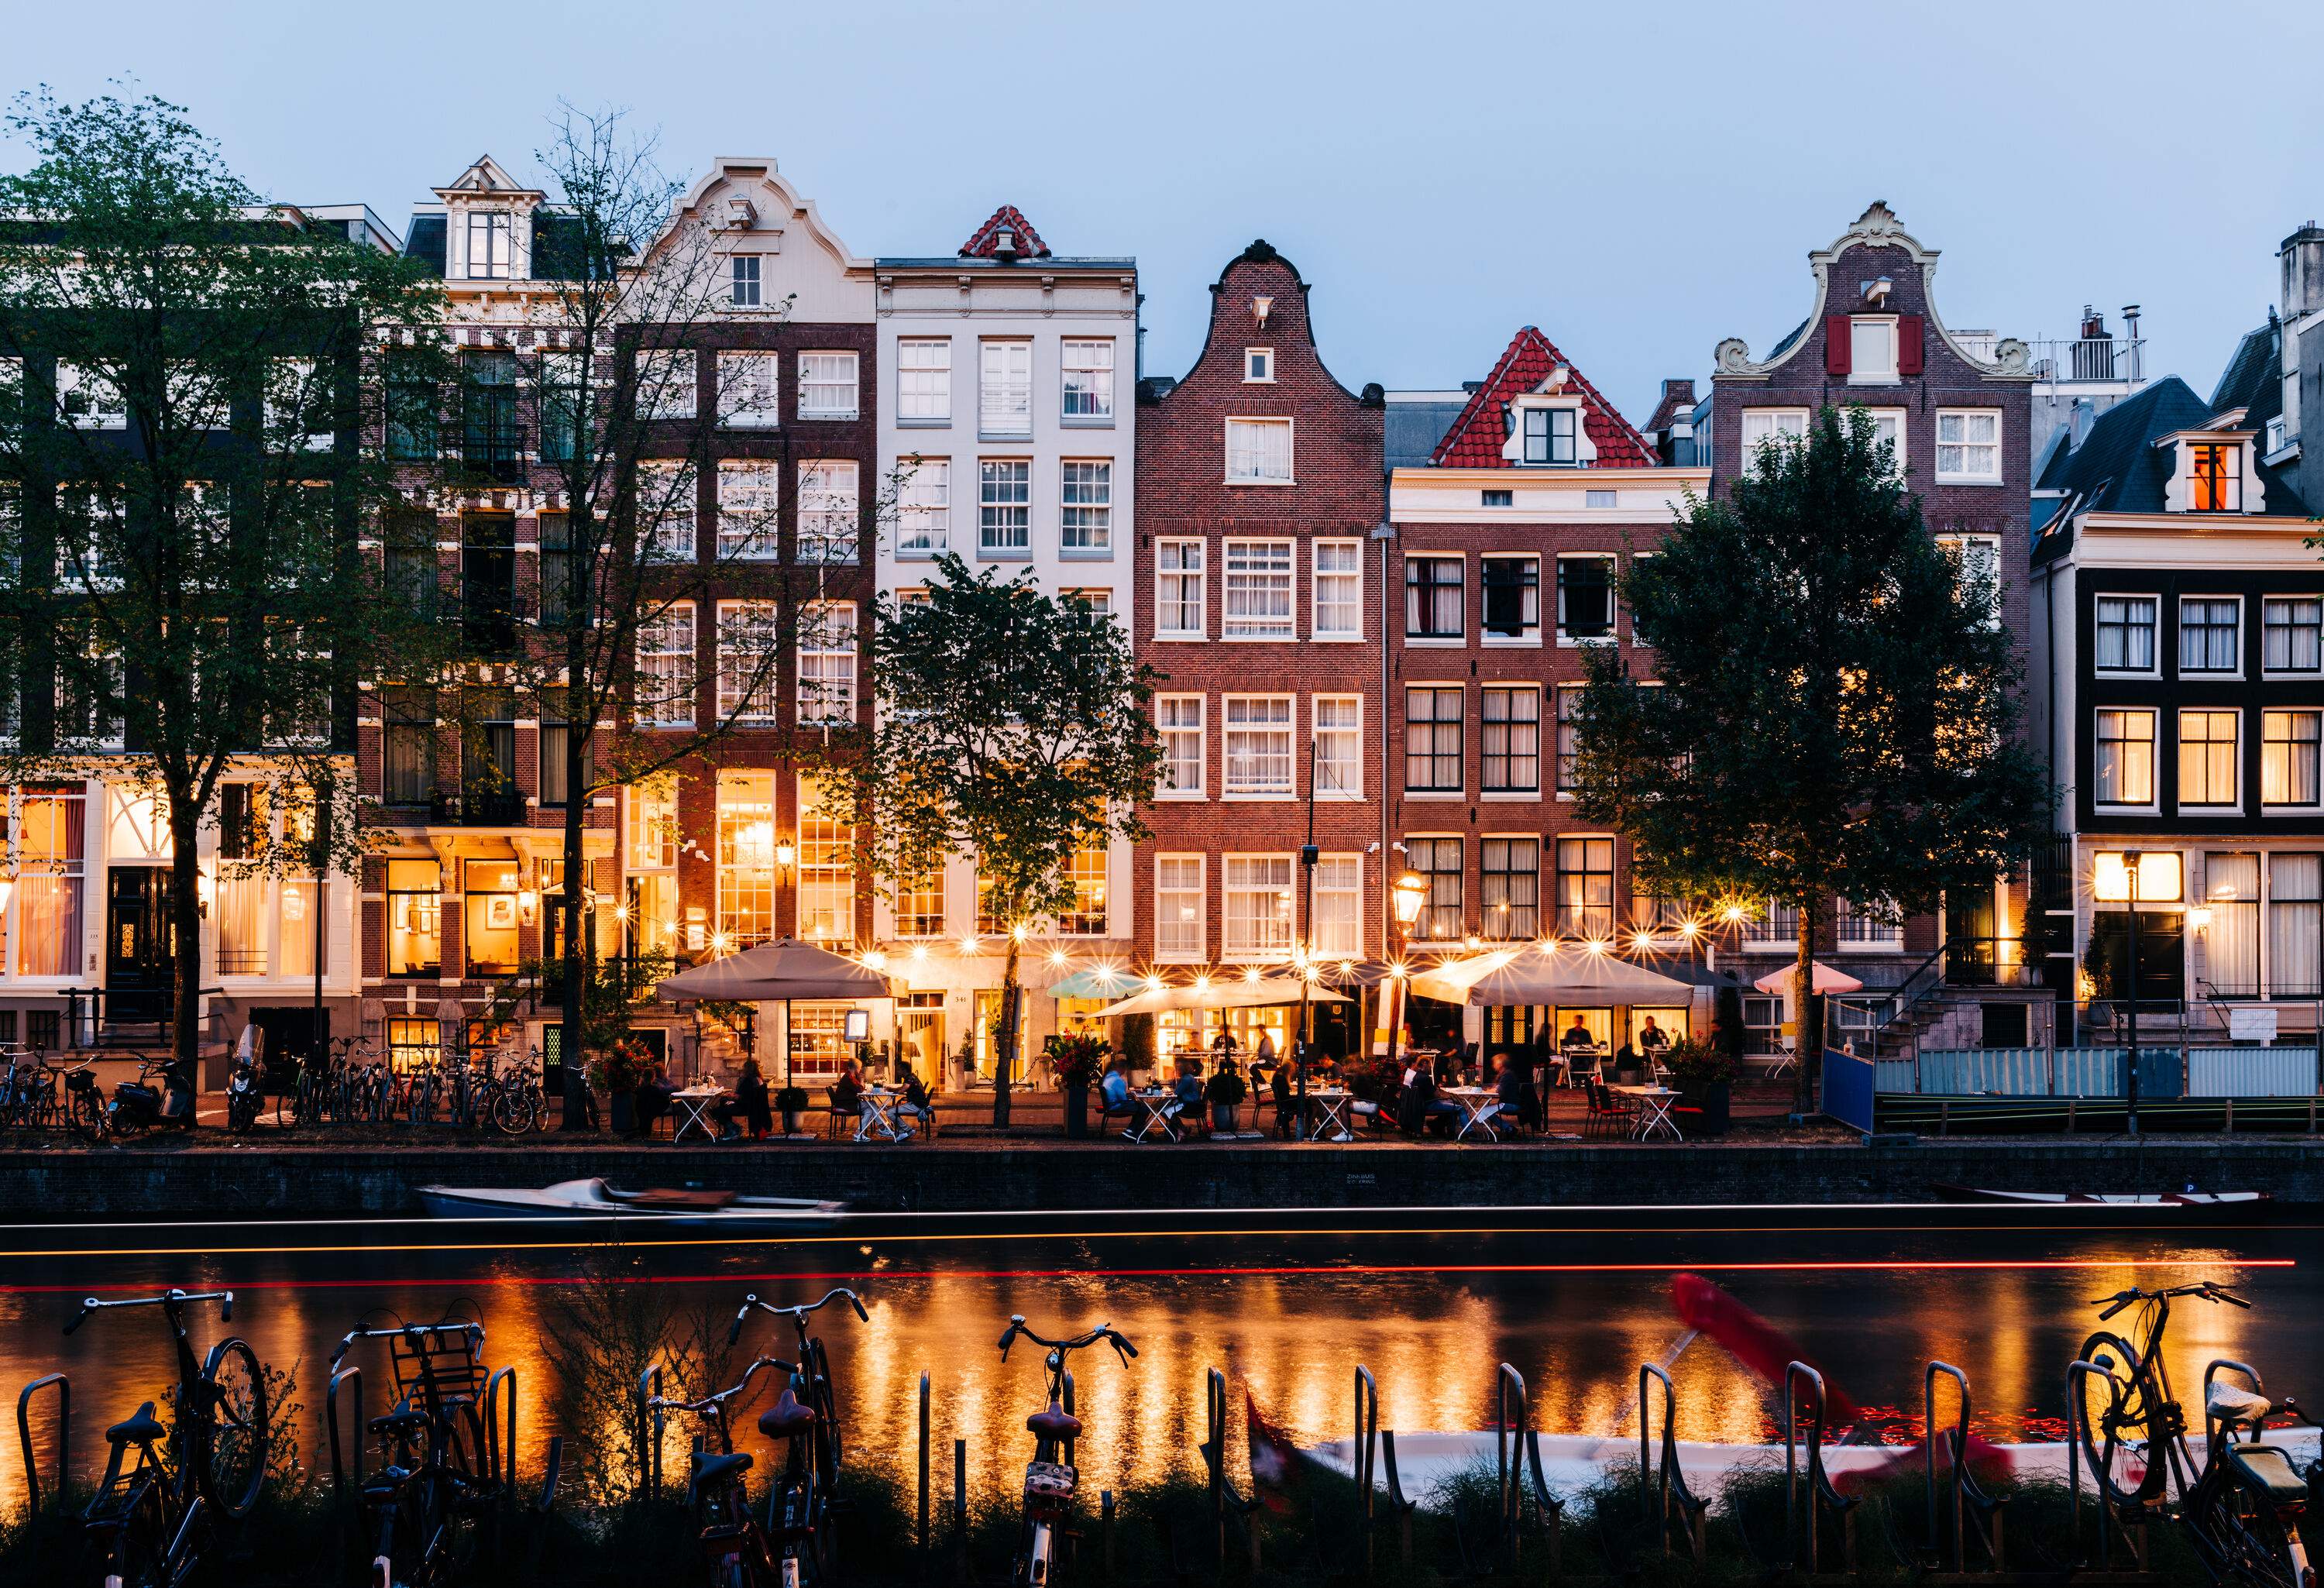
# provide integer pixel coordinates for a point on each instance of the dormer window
(1549, 436)
(744, 282)
(488, 244)
(1871, 349)
(2215, 477)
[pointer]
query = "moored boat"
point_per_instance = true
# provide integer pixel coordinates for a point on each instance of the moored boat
(595, 1199)
(2101, 1199)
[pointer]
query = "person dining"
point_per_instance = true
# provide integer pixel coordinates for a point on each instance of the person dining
(1577, 1039)
(1224, 1093)
(1652, 1040)
(751, 1102)
(1187, 1089)
(917, 1108)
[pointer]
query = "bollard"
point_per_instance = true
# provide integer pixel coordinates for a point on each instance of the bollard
(1105, 1520)
(64, 1438)
(649, 1432)
(924, 1474)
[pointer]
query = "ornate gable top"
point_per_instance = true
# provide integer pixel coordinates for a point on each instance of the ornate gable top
(488, 176)
(1008, 234)
(1479, 438)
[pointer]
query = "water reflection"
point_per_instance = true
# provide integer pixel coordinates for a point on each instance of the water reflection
(1575, 1314)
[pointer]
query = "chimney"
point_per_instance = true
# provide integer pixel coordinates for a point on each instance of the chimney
(1679, 392)
(1004, 243)
(2093, 323)
(2303, 255)
(2135, 372)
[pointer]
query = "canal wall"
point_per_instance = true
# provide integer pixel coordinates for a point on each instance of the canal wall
(341, 1182)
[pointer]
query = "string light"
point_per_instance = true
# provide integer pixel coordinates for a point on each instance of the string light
(875, 961)
(1057, 957)
(919, 954)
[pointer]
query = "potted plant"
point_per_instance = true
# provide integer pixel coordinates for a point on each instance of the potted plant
(617, 1071)
(1705, 1073)
(1137, 1044)
(790, 1101)
(1078, 1059)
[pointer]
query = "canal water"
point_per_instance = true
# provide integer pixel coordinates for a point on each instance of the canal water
(1430, 1303)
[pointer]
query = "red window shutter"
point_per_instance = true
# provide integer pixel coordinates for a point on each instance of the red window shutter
(1910, 332)
(1836, 344)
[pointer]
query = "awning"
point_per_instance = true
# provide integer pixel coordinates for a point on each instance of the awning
(1824, 980)
(779, 970)
(1561, 974)
(1227, 992)
(1099, 981)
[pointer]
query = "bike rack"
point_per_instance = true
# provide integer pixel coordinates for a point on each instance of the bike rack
(64, 1438)
(331, 1421)
(1213, 1450)
(650, 1431)
(500, 1432)
(1672, 1492)
(1370, 1437)
(1517, 1455)
(1822, 1496)
(2077, 1433)
(2210, 1424)
(1970, 1498)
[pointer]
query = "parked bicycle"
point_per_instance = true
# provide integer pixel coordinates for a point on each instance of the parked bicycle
(807, 1420)
(738, 1549)
(431, 1478)
(1050, 1477)
(2241, 1503)
(148, 1522)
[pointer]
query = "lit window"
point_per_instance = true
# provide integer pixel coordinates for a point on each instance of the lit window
(2207, 757)
(2215, 477)
(1259, 590)
(415, 899)
(1259, 452)
(1088, 382)
(51, 866)
(1178, 589)
(2287, 761)
(1509, 891)
(488, 244)
(1085, 916)
(919, 904)
(826, 385)
(1178, 908)
(746, 860)
(2125, 757)
(1180, 720)
(1968, 445)
(1585, 888)
(1438, 863)
(1432, 741)
(1258, 889)
(924, 380)
(827, 867)
(1337, 928)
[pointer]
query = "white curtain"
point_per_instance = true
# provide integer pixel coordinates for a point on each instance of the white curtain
(2231, 888)
(242, 929)
(2291, 925)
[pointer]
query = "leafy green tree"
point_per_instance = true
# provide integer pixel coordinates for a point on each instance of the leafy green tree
(1832, 710)
(190, 459)
(1012, 729)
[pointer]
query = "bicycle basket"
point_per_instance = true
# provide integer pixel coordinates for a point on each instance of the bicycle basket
(444, 1359)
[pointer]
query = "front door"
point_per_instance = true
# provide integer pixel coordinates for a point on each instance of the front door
(140, 958)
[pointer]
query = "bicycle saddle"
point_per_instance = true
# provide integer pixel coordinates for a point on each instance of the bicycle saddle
(709, 1468)
(141, 1429)
(400, 1421)
(2232, 1403)
(1054, 1422)
(2264, 1470)
(785, 1417)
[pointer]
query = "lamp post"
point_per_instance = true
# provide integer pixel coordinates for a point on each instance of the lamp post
(1410, 892)
(2133, 863)
(1304, 958)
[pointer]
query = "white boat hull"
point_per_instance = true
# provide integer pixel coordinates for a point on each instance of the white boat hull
(591, 1200)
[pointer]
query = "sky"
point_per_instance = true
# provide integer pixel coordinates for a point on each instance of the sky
(1638, 181)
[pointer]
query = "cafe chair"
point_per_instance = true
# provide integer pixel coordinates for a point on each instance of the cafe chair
(835, 1118)
(1609, 1116)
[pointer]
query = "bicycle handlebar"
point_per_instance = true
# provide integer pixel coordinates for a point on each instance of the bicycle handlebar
(171, 1297)
(1112, 1336)
(798, 1315)
(716, 1401)
(2208, 1290)
(475, 1332)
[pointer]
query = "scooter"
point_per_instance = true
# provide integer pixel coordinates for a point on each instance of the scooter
(139, 1106)
(243, 1099)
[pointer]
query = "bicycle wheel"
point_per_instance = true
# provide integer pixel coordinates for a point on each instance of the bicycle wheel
(87, 1115)
(138, 1552)
(512, 1112)
(2134, 1470)
(231, 1467)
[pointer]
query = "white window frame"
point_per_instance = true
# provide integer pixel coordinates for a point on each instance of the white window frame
(1898, 423)
(749, 499)
(1092, 516)
(1004, 388)
(1340, 881)
(744, 279)
(1182, 720)
(750, 389)
(761, 707)
(923, 381)
(1885, 327)
(1958, 476)
(1171, 585)
(1262, 874)
(2153, 634)
(1248, 458)
(1788, 424)
(1271, 584)
(668, 533)
(668, 381)
(1090, 358)
(1347, 585)
(1265, 739)
(2153, 715)
(1339, 746)
(830, 511)
(2179, 660)
(1259, 366)
(826, 663)
(105, 408)
(1174, 867)
(924, 507)
(665, 654)
(1986, 548)
(2289, 672)
(822, 375)
(988, 504)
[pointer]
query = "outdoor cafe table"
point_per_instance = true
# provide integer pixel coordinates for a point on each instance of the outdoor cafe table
(1156, 1101)
(1476, 1103)
(878, 1118)
(1654, 1111)
(691, 1107)
(1330, 1108)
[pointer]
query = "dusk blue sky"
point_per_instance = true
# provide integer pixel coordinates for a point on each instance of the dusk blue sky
(1638, 181)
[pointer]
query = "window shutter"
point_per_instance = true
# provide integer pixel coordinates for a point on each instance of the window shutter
(1836, 344)
(1910, 330)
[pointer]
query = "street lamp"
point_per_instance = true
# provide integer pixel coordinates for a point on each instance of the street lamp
(2125, 878)
(1409, 893)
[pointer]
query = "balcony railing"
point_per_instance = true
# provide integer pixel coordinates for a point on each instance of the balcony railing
(2088, 358)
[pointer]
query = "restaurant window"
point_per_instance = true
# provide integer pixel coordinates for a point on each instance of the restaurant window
(1258, 739)
(2125, 757)
(1339, 589)
(746, 860)
(1585, 888)
(1258, 898)
(1438, 863)
(1178, 589)
(2215, 477)
(2231, 942)
(2125, 634)
(1338, 927)
(1549, 435)
(2207, 758)
(2287, 758)
(1511, 728)
(415, 899)
(1431, 598)
(51, 849)
(650, 860)
(2293, 945)
(1569, 734)
(827, 867)
(1085, 916)
(1180, 720)
(489, 919)
(1339, 746)
(1510, 876)
(920, 903)
(1585, 597)
(1432, 741)
(414, 1042)
(407, 749)
(2293, 634)
(1512, 596)
(2206, 633)
(1258, 590)
(1178, 904)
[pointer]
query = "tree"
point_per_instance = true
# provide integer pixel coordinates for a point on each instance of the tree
(1833, 710)
(626, 418)
(1011, 728)
(193, 455)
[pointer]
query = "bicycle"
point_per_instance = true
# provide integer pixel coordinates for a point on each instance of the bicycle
(149, 1524)
(1050, 1477)
(798, 1509)
(737, 1547)
(428, 1482)
(2241, 1506)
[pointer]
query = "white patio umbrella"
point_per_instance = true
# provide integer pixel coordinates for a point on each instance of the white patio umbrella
(1568, 974)
(777, 972)
(1223, 992)
(1824, 979)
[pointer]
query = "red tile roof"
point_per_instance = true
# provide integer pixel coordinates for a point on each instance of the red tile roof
(1478, 436)
(1028, 242)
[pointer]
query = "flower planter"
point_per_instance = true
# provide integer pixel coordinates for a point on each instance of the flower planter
(1710, 1103)
(624, 1111)
(1076, 1113)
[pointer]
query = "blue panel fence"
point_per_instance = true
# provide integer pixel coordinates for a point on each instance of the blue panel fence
(2103, 1072)
(1849, 1089)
